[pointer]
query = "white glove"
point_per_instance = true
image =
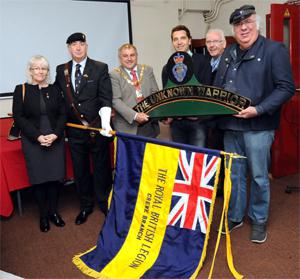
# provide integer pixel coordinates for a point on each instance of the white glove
(105, 113)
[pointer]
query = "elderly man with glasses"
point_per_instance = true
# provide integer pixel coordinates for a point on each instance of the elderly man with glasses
(216, 43)
(259, 69)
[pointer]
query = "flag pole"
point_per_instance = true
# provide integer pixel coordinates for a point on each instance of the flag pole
(83, 127)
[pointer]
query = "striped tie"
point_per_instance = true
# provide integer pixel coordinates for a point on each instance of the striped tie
(138, 91)
(77, 78)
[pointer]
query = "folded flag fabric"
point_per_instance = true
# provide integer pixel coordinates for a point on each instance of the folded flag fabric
(160, 213)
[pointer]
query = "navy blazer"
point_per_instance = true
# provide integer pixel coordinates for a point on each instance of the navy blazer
(264, 75)
(27, 113)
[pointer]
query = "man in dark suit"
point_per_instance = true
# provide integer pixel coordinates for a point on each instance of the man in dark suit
(87, 91)
(188, 130)
(131, 83)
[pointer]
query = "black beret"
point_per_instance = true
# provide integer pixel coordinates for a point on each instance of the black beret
(76, 37)
(241, 13)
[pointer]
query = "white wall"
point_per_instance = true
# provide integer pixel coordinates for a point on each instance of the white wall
(152, 21)
(5, 107)
(151, 25)
(262, 8)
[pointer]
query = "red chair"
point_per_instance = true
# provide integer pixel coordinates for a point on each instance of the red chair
(5, 125)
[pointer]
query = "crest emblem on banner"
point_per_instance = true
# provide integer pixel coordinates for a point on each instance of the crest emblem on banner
(184, 96)
(179, 70)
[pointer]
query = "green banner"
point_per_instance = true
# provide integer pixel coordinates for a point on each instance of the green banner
(192, 100)
(184, 95)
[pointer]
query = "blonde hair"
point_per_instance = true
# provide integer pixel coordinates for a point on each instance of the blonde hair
(126, 46)
(35, 59)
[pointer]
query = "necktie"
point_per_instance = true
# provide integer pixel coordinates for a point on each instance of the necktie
(77, 78)
(139, 95)
(215, 63)
(134, 78)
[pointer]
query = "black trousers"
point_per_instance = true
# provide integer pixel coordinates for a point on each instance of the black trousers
(46, 195)
(91, 165)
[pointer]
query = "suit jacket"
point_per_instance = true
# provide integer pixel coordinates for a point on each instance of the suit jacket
(27, 113)
(202, 70)
(95, 90)
(124, 99)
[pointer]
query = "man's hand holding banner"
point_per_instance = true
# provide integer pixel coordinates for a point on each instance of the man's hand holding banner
(185, 96)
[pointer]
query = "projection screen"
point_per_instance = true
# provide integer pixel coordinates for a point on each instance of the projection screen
(30, 27)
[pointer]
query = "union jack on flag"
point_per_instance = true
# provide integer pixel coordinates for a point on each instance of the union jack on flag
(193, 190)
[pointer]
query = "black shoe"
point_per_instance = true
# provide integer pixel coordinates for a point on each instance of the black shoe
(259, 233)
(103, 207)
(56, 220)
(82, 216)
(232, 226)
(44, 224)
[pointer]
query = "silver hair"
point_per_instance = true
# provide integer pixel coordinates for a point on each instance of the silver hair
(34, 59)
(219, 31)
(258, 21)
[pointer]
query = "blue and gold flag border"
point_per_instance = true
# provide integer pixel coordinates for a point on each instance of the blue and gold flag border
(227, 190)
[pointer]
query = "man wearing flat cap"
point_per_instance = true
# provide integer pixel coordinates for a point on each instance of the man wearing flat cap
(87, 91)
(242, 13)
(257, 68)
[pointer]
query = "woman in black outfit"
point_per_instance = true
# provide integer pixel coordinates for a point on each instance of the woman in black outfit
(40, 114)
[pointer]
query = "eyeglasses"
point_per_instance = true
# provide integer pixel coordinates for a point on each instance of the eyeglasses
(215, 42)
(36, 69)
(247, 22)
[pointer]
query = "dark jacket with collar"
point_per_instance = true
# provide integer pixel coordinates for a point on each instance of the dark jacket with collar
(27, 113)
(95, 90)
(264, 75)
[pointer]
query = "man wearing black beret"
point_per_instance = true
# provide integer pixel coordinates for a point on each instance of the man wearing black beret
(257, 68)
(87, 91)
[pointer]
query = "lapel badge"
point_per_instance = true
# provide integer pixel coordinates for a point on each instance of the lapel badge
(66, 72)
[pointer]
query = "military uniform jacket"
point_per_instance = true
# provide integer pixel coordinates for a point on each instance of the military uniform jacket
(95, 90)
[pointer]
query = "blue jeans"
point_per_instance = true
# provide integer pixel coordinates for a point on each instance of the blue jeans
(256, 146)
(189, 132)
